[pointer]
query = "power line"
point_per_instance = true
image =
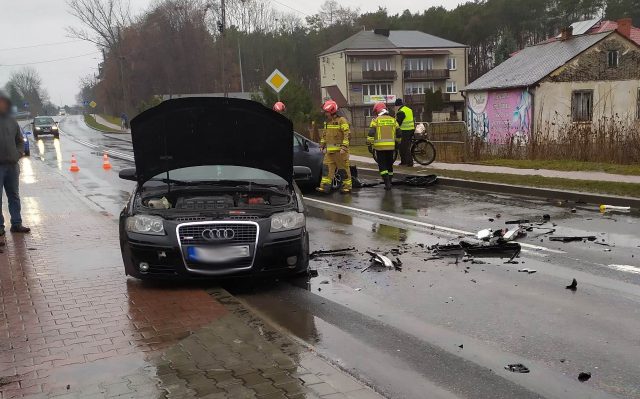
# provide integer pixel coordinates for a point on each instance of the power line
(40, 45)
(54, 60)
(291, 8)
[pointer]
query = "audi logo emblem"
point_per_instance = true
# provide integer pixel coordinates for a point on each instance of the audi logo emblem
(218, 234)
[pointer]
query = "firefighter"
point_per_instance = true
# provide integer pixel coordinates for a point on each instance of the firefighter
(404, 116)
(335, 146)
(382, 137)
(279, 107)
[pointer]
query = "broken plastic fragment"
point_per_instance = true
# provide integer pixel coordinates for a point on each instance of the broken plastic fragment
(573, 286)
(584, 376)
(517, 368)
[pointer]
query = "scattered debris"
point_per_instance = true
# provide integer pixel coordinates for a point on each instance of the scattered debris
(397, 264)
(584, 376)
(358, 289)
(572, 238)
(417, 181)
(573, 286)
(461, 346)
(500, 250)
(605, 208)
(324, 282)
(339, 276)
(313, 273)
(517, 368)
(525, 270)
(331, 252)
(537, 219)
(474, 281)
(574, 210)
(68, 386)
(378, 259)
(605, 244)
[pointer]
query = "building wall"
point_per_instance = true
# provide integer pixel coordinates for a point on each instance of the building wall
(460, 74)
(500, 116)
(333, 72)
(611, 99)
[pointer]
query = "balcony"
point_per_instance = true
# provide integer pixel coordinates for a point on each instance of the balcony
(427, 74)
(358, 76)
(419, 98)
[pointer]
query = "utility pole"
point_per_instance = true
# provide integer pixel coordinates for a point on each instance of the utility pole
(240, 64)
(221, 27)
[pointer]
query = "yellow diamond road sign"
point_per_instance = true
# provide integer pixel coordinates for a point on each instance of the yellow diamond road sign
(92, 104)
(277, 81)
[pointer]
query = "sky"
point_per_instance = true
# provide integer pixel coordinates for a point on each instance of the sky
(61, 61)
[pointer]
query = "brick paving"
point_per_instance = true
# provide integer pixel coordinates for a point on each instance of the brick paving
(72, 325)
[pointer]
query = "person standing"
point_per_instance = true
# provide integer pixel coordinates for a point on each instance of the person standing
(382, 137)
(11, 149)
(404, 116)
(335, 146)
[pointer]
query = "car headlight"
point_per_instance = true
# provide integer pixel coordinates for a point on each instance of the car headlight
(287, 221)
(145, 224)
(24, 139)
(54, 127)
(37, 128)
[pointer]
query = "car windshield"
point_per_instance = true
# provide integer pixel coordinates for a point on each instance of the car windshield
(213, 173)
(44, 121)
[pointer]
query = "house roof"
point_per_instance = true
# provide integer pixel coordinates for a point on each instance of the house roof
(398, 39)
(607, 26)
(532, 64)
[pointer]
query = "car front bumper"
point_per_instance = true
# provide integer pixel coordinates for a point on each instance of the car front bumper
(167, 256)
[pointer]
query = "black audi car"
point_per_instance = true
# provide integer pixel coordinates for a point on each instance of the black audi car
(226, 206)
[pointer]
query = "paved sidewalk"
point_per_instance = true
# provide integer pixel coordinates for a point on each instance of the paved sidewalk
(467, 167)
(108, 124)
(72, 325)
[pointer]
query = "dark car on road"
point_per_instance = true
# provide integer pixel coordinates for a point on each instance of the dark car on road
(44, 125)
(308, 153)
(227, 207)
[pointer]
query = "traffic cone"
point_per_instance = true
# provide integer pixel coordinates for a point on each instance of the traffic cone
(106, 165)
(74, 164)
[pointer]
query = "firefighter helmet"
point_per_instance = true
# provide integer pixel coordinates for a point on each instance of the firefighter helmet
(378, 107)
(330, 106)
(279, 107)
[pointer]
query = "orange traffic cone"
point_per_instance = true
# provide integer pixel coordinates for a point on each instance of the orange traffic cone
(74, 164)
(106, 165)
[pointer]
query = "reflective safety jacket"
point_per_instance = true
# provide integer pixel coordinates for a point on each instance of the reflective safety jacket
(336, 134)
(407, 123)
(382, 133)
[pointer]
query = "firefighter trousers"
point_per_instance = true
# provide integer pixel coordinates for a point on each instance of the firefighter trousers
(332, 162)
(385, 162)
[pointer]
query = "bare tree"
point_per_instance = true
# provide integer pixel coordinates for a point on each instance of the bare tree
(103, 21)
(28, 83)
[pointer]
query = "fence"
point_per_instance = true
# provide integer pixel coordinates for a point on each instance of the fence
(449, 138)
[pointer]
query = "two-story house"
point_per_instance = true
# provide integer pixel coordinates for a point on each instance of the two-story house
(382, 65)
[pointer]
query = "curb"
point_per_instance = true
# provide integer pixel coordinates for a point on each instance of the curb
(547, 193)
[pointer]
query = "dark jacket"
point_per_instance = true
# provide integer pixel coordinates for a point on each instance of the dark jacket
(11, 141)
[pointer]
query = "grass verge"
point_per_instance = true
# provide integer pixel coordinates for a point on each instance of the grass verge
(91, 121)
(586, 186)
(112, 119)
(564, 165)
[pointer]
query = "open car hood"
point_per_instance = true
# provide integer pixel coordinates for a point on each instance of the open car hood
(196, 131)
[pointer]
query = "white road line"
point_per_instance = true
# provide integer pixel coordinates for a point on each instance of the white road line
(626, 268)
(430, 226)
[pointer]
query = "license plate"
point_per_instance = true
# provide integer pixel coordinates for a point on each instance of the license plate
(218, 255)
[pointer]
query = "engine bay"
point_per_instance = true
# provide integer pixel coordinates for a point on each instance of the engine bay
(213, 201)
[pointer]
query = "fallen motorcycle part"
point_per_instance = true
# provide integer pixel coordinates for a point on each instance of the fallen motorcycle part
(380, 259)
(573, 286)
(514, 233)
(331, 252)
(526, 270)
(449, 250)
(517, 368)
(484, 234)
(537, 219)
(572, 238)
(416, 181)
(500, 250)
(397, 264)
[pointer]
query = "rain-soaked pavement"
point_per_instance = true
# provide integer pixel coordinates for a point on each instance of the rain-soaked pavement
(440, 328)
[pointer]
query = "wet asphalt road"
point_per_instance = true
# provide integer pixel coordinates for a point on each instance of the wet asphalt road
(439, 328)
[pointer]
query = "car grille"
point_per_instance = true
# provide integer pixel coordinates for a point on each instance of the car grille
(244, 233)
(204, 218)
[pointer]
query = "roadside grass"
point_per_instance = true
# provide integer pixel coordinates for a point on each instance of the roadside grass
(112, 119)
(91, 121)
(563, 165)
(361, 150)
(586, 186)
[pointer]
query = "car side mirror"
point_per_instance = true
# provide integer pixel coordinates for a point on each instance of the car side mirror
(128, 174)
(301, 173)
(305, 145)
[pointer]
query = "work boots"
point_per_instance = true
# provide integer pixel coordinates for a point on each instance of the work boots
(387, 182)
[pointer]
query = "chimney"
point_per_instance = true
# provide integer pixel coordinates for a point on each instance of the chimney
(624, 27)
(566, 33)
(383, 32)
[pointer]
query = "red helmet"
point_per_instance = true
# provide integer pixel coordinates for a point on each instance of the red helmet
(279, 107)
(378, 107)
(330, 106)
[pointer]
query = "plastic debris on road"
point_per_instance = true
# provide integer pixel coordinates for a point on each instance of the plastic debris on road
(584, 376)
(517, 368)
(573, 286)
(331, 252)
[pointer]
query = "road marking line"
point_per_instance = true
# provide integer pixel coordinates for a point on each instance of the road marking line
(626, 268)
(417, 223)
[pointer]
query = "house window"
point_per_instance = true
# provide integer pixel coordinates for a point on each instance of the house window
(613, 58)
(376, 65)
(582, 106)
(379, 89)
(452, 64)
(452, 87)
(418, 87)
(418, 64)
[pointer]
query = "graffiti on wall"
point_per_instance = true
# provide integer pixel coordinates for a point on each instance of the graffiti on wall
(500, 116)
